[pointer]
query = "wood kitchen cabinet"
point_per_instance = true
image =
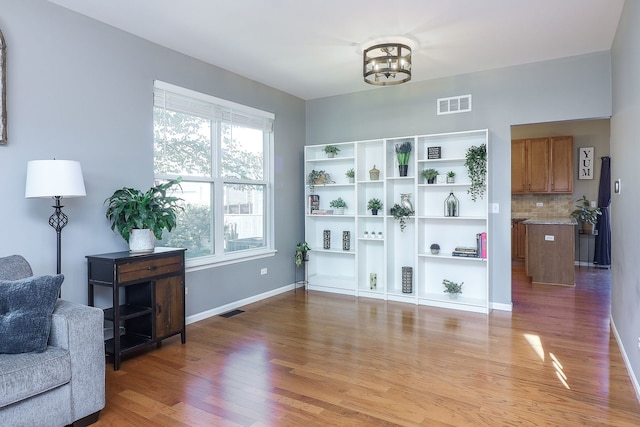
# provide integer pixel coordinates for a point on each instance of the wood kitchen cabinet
(550, 251)
(147, 292)
(518, 239)
(542, 165)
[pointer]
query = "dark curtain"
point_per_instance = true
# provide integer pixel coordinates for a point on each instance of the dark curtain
(602, 254)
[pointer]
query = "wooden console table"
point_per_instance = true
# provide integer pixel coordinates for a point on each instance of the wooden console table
(151, 307)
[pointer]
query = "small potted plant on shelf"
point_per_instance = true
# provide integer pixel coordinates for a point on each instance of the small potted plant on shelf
(374, 205)
(401, 213)
(403, 152)
(331, 151)
(435, 249)
(301, 253)
(476, 164)
(317, 178)
(452, 288)
(339, 205)
(451, 177)
(587, 215)
(430, 175)
(351, 174)
(141, 218)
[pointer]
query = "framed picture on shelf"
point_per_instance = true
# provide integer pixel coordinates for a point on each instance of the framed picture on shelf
(313, 203)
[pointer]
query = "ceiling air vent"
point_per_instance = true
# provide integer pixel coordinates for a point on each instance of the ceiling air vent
(454, 104)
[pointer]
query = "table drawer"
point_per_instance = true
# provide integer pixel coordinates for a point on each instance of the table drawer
(149, 269)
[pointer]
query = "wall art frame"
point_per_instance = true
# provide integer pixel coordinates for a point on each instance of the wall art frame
(585, 163)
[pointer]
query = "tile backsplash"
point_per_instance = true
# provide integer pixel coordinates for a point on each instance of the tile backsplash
(554, 205)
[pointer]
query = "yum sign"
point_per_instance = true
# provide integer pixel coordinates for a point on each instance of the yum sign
(585, 165)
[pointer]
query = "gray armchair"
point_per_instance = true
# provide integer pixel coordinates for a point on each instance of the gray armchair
(64, 384)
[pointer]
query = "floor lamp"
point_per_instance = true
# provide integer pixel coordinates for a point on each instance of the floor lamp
(56, 179)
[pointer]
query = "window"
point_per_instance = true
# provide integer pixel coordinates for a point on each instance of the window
(222, 151)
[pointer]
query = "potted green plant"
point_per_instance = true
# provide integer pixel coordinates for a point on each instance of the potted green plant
(351, 174)
(317, 177)
(435, 248)
(403, 152)
(301, 253)
(141, 217)
(339, 205)
(331, 150)
(374, 205)
(452, 288)
(476, 164)
(587, 215)
(401, 213)
(451, 177)
(430, 175)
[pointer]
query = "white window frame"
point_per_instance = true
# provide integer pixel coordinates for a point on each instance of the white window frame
(219, 257)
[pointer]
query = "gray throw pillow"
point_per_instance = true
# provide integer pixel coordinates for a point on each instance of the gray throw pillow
(26, 306)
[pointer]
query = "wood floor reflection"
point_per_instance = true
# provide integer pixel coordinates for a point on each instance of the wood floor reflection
(318, 359)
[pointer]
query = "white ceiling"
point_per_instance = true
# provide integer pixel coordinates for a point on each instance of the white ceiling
(312, 49)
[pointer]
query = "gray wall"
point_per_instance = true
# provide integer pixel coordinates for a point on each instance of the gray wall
(564, 89)
(625, 152)
(81, 90)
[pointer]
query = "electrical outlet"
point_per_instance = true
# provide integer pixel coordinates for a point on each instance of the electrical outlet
(495, 207)
(539, 204)
(263, 271)
(186, 290)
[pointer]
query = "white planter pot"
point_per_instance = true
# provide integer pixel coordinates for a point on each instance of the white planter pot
(141, 241)
(338, 211)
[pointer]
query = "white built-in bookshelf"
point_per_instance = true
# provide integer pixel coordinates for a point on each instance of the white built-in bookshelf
(349, 271)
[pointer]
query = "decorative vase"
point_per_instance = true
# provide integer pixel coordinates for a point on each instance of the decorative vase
(326, 239)
(374, 211)
(346, 240)
(451, 179)
(339, 211)
(453, 296)
(451, 205)
(352, 179)
(435, 251)
(374, 174)
(405, 201)
(331, 155)
(403, 169)
(373, 281)
(407, 280)
(141, 241)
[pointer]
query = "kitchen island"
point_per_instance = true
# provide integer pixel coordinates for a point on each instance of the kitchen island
(550, 249)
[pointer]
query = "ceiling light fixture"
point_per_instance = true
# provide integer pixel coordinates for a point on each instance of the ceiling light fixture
(387, 64)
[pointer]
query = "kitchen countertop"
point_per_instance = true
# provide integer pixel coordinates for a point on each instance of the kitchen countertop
(552, 221)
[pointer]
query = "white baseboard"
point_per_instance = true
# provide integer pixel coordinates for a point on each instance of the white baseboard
(632, 375)
(237, 304)
(500, 306)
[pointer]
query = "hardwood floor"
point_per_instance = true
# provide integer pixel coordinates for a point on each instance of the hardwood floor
(317, 359)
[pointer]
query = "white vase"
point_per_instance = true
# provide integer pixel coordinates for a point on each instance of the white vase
(141, 241)
(339, 211)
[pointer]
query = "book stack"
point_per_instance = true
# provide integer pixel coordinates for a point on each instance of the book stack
(464, 251)
(481, 244)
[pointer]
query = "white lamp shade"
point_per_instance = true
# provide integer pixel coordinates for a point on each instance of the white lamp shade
(50, 178)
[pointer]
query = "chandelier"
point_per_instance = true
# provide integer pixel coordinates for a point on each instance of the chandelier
(387, 64)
